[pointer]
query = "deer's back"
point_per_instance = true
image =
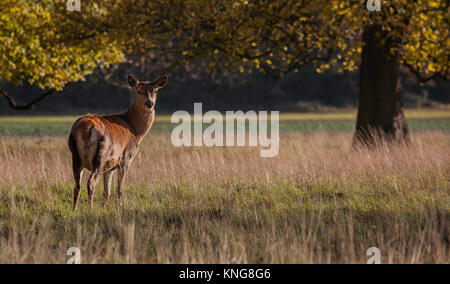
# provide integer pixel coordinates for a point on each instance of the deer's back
(103, 138)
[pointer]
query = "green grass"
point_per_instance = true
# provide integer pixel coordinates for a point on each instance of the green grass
(318, 201)
(304, 122)
(257, 215)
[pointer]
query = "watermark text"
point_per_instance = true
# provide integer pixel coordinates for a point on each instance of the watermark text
(74, 5)
(374, 5)
(235, 133)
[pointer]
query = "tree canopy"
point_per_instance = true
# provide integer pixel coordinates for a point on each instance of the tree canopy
(43, 43)
(32, 48)
(273, 36)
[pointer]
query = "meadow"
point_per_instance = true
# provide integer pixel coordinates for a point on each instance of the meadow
(304, 122)
(318, 201)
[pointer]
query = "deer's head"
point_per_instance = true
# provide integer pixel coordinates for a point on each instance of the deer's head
(146, 92)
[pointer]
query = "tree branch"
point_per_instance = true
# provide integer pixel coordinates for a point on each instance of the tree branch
(423, 79)
(32, 104)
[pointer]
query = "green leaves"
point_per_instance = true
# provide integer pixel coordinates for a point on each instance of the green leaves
(32, 47)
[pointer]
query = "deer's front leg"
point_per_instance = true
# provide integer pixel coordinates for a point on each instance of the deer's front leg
(128, 157)
(122, 174)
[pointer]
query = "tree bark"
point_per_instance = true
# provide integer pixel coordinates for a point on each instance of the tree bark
(380, 111)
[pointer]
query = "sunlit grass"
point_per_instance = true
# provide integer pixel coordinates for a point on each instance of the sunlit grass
(318, 201)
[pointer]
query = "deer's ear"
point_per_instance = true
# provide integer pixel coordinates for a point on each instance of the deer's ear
(132, 80)
(159, 83)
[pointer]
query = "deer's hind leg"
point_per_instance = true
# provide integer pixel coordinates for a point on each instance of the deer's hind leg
(77, 170)
(92, 182)
(77, 174)
(107, 181)
(98, 164)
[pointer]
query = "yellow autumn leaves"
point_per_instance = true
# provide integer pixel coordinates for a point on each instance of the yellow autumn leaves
(42, 43)
(32, 48)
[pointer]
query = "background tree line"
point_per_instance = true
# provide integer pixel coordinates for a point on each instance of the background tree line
(303, 91)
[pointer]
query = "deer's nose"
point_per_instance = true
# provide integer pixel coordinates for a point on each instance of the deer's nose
(149, 104)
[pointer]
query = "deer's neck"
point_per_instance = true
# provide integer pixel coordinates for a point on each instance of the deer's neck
(141, 120)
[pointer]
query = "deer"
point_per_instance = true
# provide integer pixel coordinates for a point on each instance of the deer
(106, 144)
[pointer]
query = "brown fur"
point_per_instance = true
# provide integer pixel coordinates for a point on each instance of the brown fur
(102, 144)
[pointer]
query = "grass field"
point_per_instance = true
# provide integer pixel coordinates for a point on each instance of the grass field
(304, 122)
(318, 201)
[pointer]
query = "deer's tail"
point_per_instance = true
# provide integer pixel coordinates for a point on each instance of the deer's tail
(84, 138)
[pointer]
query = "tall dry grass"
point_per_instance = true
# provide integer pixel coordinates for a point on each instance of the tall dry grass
(319, 201)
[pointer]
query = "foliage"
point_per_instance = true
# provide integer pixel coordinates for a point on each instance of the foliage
(32, 48)
(276, 36)
(42, 42)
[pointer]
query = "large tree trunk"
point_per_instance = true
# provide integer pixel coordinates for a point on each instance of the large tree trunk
(380, 112)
